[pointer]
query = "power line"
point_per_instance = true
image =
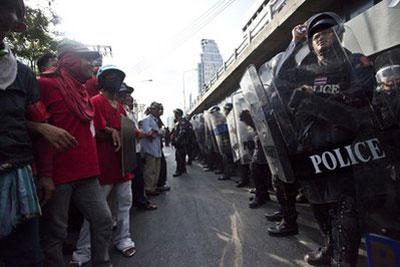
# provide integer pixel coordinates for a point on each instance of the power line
(188, 32)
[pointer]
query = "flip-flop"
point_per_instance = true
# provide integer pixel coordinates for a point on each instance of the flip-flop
(128, 252)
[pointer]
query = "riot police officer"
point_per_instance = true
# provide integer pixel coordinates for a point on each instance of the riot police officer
(259, 170)
(181, 139)
(223, 153)
(326, 84)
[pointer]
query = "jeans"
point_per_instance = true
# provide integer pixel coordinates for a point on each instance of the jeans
(122, 237)
(22, 247)
(89, 198)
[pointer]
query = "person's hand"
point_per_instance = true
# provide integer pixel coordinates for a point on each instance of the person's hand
(46, 190)
(307, 89)
(116, 139)
(299, 33)
(139, 134)
(57, 137)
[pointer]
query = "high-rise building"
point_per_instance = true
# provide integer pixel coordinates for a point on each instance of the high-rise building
(211, 61)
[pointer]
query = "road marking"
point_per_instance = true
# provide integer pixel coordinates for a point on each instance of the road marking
(234, 241)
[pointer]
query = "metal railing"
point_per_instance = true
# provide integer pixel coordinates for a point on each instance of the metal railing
(266, 15)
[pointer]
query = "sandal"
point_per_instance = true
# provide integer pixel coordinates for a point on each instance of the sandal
(128, 252)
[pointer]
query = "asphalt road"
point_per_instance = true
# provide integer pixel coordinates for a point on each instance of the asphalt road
(206, 222)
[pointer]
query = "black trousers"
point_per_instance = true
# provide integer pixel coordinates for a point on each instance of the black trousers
(162, 179)
(180, 157)
(260, 174)
(339, 224)
(139, 197)
(286, 195)
(244, 172)
(227, 165)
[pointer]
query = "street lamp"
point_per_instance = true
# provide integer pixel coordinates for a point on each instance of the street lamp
(184, 89)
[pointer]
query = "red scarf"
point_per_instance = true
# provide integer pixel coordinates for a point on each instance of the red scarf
(71, 85)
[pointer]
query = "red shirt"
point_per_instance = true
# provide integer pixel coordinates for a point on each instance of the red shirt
(106, 115)
(92, 86)
(78, 163)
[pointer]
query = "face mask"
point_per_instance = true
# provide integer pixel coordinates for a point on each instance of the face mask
(112, 86)
(8, 68)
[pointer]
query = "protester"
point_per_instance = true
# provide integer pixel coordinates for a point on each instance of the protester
(21, 109)
(75, 171)
(46, 62)
(107, 122)
(167, 138)
(151, 149)
(162, 179)
(92, 85)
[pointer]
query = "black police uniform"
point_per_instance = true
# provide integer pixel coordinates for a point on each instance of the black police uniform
(333, 196)
(183, 132)
(260, 174)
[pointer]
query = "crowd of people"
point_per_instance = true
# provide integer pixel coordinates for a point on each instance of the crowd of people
(302, 127)
(71, 141)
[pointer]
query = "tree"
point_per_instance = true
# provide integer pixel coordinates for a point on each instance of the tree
(38, 38)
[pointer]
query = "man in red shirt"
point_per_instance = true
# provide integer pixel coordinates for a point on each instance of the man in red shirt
(74, 171)
(107, 122)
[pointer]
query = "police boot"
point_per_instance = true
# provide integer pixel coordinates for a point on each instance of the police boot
(284, 228)
(319, 257)
(243, 183)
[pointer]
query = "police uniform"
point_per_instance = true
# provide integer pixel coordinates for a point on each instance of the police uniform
(183, 133)
(332, 197)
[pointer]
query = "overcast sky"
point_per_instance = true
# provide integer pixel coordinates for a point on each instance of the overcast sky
(143, 34)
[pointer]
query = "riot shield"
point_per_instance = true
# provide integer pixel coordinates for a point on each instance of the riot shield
(378, 182)
(209, 138)
(346, 130)
(220, 130)
(245, 133)
(231, 122)
(266, 124)
(199, 130)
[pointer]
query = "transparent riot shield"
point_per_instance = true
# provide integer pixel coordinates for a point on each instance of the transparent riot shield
(378, 182)
(245, 133)
(321, 101)
(220, 131)
(267, 125)
(231, 122)
(209, 138)
(346, 134)
(199, 130)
